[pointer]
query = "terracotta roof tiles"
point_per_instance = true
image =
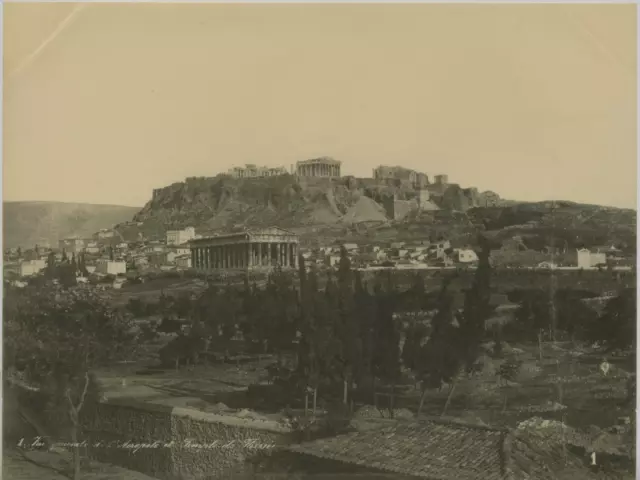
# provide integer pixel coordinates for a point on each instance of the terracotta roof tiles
(440, 449)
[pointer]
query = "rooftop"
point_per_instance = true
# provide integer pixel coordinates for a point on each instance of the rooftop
(245, 234)
(439, 449)
(320, 160)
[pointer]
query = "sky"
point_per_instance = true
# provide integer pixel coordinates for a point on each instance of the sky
(105, 102)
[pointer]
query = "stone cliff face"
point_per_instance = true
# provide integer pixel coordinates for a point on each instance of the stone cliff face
(225, 203)
(341, 207)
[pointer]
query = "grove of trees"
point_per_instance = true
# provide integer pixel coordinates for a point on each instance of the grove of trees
(337, 342)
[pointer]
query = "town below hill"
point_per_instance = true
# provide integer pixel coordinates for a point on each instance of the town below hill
(397, 218)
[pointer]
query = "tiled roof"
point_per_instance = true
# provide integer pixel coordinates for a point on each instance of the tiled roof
(440, 449)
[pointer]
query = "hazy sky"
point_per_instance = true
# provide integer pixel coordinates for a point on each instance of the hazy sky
(105, 102)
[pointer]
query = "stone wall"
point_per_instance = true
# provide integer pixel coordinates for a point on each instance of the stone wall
(176, 443)
(398, 209)
(401, 208)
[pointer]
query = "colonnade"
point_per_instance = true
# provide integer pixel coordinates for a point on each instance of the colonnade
(318, 170)
(244, 255)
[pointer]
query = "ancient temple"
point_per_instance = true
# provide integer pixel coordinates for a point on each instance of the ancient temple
(246, 250)
(318, 167)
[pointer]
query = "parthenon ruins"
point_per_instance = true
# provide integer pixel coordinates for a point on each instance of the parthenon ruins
(251, 249)
(318, 167)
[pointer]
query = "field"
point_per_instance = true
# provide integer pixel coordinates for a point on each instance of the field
(568, 376)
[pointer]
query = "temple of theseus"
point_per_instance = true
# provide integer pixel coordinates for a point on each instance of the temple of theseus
(251, 249)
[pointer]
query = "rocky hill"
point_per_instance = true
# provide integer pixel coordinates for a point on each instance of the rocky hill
(322, 209)
(224, 203)
(29, 223)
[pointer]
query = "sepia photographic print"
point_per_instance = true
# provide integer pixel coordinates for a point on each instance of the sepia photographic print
(328, 241)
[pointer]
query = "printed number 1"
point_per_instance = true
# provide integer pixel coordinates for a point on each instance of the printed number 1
(593, 458)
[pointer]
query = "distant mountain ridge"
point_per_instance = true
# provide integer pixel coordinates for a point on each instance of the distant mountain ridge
(26, 224)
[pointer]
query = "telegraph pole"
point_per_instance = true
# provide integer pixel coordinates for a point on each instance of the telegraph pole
(554, 281)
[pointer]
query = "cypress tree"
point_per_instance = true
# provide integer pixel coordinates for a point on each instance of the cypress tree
(439, 359)
(477, 308)
(51, 265)
(74, 265)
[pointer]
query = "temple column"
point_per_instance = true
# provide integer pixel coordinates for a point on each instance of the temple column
(224, 256)
(287, 261)
(249, 256)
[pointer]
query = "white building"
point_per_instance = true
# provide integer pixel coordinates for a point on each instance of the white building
(181, 250)
(105, 233)
(32, 267)
(585, 258)
(332, 260)
(110, 267)
(157, 248)
(439, 248)
(179, 237)
(465, 255)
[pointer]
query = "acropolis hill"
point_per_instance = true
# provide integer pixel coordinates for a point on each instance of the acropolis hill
(329, 206)
(232, 200)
